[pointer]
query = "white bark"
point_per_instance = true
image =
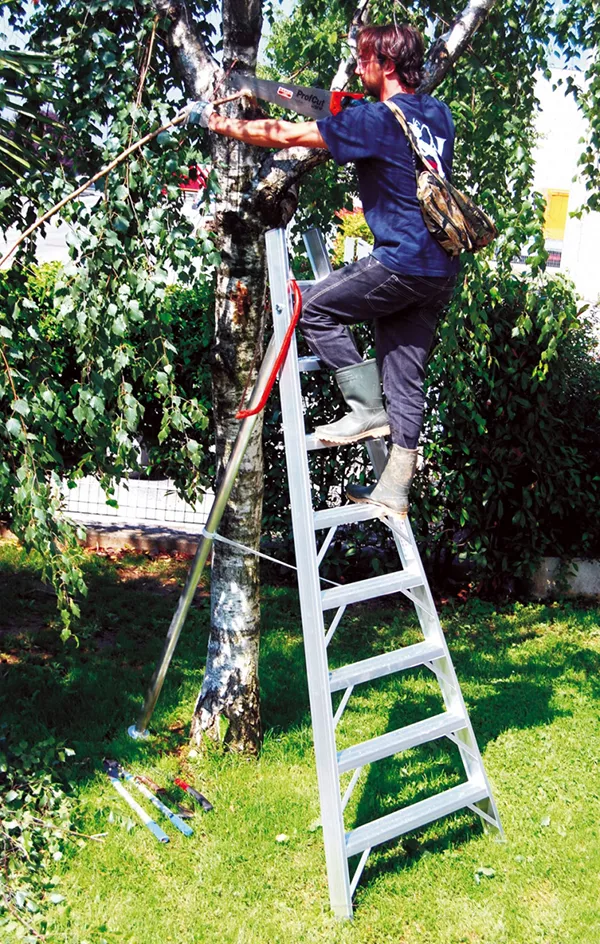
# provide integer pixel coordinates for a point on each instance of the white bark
(449, 47)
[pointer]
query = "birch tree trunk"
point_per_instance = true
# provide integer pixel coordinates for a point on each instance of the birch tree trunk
(230, 687)
(258, 191)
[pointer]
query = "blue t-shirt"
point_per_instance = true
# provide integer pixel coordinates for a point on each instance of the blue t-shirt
(370, 137)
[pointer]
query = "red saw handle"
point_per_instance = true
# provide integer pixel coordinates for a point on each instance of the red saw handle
(337, 99)
(198, 797)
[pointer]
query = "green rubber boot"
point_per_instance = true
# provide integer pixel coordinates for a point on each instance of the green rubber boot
(361, 389)
(391, 491)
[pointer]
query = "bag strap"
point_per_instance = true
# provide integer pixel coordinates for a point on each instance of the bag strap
(401, 117)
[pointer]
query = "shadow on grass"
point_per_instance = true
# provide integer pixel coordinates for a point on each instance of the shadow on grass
(88, 696)
(507, 673)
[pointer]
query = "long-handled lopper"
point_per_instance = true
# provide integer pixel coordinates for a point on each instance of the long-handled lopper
(178, 823)
(148, 822)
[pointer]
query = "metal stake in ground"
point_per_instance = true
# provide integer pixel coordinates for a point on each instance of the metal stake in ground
(139, 730)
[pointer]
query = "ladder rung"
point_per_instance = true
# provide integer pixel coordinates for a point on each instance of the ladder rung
(313, 443)
(414, 816)
(372, 587)
(346, 514)
(400, 740)
(309, 363)
(387, 663)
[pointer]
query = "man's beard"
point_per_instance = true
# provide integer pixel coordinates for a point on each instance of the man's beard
(371, 88)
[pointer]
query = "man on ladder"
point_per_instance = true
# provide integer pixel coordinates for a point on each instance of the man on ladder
(409, 278)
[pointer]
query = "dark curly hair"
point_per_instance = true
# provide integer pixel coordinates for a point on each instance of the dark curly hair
(402, 44)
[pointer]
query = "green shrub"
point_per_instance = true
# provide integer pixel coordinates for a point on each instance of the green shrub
(512, 435)
(36, 824)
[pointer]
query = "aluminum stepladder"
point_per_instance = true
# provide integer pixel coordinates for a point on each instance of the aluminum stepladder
(475, 793)
(432, 652)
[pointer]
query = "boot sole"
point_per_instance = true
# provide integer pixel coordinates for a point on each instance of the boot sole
(345, 440)
(390, 511)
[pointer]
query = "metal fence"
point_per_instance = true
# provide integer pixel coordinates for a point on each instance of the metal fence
(139, 501)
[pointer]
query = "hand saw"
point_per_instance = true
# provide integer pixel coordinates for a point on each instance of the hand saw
(312, 102)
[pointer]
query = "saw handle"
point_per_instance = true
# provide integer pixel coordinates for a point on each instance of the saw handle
(198, 797)
(336, 102)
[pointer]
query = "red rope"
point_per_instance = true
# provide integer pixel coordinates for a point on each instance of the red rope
(244, 414)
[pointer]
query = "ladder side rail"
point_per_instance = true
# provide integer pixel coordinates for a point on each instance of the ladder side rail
(309, 585)
(450, 688)
(317, 253)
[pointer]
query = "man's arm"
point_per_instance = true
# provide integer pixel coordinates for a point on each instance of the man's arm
(269, 132)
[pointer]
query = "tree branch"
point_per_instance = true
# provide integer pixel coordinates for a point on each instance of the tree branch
(449, 47)
(282, 171)
(346, 67)
(242, 25)
(196, 66)
(276, 195)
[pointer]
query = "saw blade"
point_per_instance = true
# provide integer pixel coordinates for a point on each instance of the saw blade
(311, 102)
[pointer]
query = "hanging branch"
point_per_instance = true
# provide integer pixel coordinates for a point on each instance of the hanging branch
(106, 170)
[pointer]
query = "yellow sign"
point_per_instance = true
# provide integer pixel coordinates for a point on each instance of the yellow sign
(555, 217)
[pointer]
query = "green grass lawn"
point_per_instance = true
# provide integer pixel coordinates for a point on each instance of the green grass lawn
(531, 678)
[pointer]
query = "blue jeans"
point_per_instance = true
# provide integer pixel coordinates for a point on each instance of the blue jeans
(404, 310)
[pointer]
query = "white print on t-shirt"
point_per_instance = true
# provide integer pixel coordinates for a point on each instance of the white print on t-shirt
(432, 148)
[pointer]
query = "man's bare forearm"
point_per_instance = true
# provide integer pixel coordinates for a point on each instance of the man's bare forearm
(269, 132)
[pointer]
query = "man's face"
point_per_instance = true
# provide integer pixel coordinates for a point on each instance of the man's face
(370, 70)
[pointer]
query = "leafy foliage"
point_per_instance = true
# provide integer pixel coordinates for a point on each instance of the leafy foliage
(511, 439)
(36, 823)
(75, 386)
(353, 226)
(79, 387)
(21, 130)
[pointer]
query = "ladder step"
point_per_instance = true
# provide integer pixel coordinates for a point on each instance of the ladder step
(309, 363)
(413, 817)
(351, 513)
(400, 740)
(372, 587)
(313, 443)
(385, 664)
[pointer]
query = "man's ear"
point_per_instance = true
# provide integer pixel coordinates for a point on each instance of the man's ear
(389, 67)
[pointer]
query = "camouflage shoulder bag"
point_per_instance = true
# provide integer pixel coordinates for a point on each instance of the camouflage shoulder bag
(450, 216)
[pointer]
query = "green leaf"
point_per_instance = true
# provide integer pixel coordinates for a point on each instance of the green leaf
(121, 224)
(21, 406)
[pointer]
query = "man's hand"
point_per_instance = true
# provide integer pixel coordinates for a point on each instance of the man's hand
(199, 113)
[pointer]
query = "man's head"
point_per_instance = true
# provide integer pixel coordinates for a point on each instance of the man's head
(401, 45)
